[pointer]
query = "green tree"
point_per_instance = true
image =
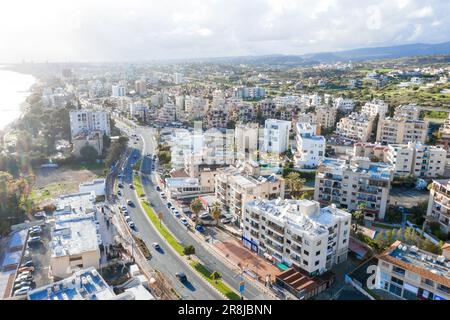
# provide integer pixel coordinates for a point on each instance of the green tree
(295, 184)
(216, 211)
(196, 206)
(189, 250)
(88, 153)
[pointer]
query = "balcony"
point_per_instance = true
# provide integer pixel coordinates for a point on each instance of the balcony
(274, 237)
(275, 228)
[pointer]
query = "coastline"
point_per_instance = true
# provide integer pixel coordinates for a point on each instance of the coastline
(21, 106)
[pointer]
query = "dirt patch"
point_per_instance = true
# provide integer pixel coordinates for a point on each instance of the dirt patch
(248, 259)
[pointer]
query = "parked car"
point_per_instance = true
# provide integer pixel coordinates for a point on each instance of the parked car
(131, 224)
(120, 185)
(129, 202)
(169, 205)
(158, 188)
(35, 239)
(28, 263)
(226, 220)
(176, 213)
(22, 291)
(22, 269)
(204, 215)
(22, 284)
(119, 193)
(35, 229)
(181, 276)
(200, 228)
(184, 221)
(162, 195)
(131, 186)
(40, 215)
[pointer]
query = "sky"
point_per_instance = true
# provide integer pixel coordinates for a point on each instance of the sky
(140, 30)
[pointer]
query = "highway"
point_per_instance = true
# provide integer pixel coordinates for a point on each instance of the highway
(167, 261)
(186, 238)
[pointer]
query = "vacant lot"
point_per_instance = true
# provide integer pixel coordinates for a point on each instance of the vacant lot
(51, 183)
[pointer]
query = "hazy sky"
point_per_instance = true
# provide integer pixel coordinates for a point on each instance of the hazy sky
(97, 30)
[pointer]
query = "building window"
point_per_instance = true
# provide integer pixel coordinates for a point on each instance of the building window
(318, 253)
(305, 252)
(316, 263)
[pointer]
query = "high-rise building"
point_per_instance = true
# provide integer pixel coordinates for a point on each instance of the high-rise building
(310, 146)
(276, 136)
(84, 121)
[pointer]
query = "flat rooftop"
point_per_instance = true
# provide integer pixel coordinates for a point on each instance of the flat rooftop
(86, 284)
(182, 182)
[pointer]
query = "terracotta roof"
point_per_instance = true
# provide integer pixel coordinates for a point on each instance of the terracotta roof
(410, 267)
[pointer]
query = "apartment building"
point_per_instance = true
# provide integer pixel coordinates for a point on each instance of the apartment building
(118, 91)
(439, 204)
(195, 107)
(398, 130)
(356, 126)
(325, 116)
(234, 188)
(413, 274)
(140, 86)
(276, 136)
(85, 121)
(306, 117)
(417, 159)
(297, 233)
(268, 109)
(369, 150)
(74, 242)
(407, 112)
(310, 146)
(246, 139)
(344, 105)
(139, 110)
(167, 113)
(444, 130)
(374, 108)
(216, 117)
(358, 182)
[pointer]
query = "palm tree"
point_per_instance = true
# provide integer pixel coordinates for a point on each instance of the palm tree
(216, 211)
(358, 215)
(295, 184)
(196, 206)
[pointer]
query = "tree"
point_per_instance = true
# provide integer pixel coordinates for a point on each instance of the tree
(357, 217)
(189, 250)
(196, 206)
(88, 153)
(216, 211)
(295, 184)
(215, 276)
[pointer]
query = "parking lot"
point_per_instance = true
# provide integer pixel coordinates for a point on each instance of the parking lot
(407, 197)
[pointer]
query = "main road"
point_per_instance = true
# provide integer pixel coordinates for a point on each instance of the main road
(165, 261)
(147, 145)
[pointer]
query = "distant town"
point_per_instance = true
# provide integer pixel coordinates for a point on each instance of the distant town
(229, 181)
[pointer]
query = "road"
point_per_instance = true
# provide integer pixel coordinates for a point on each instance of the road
(166, 261)
(147, 145)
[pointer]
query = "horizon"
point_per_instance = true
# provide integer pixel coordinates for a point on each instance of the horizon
(137, 31)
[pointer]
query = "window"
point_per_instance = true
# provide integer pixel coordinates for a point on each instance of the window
(397, 280)
(318, 253)
(398, 270)
(305, 252)
(316, 263)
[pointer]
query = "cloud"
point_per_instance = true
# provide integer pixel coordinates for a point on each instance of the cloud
(98, 30)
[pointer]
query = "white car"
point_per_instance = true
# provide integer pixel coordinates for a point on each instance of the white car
(184, 221)
(130, 224)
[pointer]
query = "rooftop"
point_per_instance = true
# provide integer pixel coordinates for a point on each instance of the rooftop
(304, 215)
(85, 284)
(427, 264)
(182, 182)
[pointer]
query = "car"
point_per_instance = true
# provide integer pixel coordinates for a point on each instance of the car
(28, 263)
(120, 185)
(204, 215)
(158, 188)
(226, 220)
(129, 202)
(184, 221)
(177, 214)
(131, 224)
(34, 239)
(123, 208)
(22, 291)
(162, 194)
(181, 276)
(119, 193)
(35, 229)
(200, 228)
(19, 285)
(40, 215)
(156, 245)
(169, 205)
(131, 186)
(21, 278)
(30, 268)
(125, 212)
(127, 218)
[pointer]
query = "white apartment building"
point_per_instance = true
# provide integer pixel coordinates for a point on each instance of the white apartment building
(310, 146)
(276, 136)
(139, 109)
(74, 244)
(444, 130)
(356, 126)
(359, 182)
(375, 107)
(246, 139)
(84, 121)
(167, 113)
(344, 105)
(118, 91)
(178, 78)
(234, 188)
(140, 86)
(439, 204)
(297, 233)
(417, 159)
(398, 130)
